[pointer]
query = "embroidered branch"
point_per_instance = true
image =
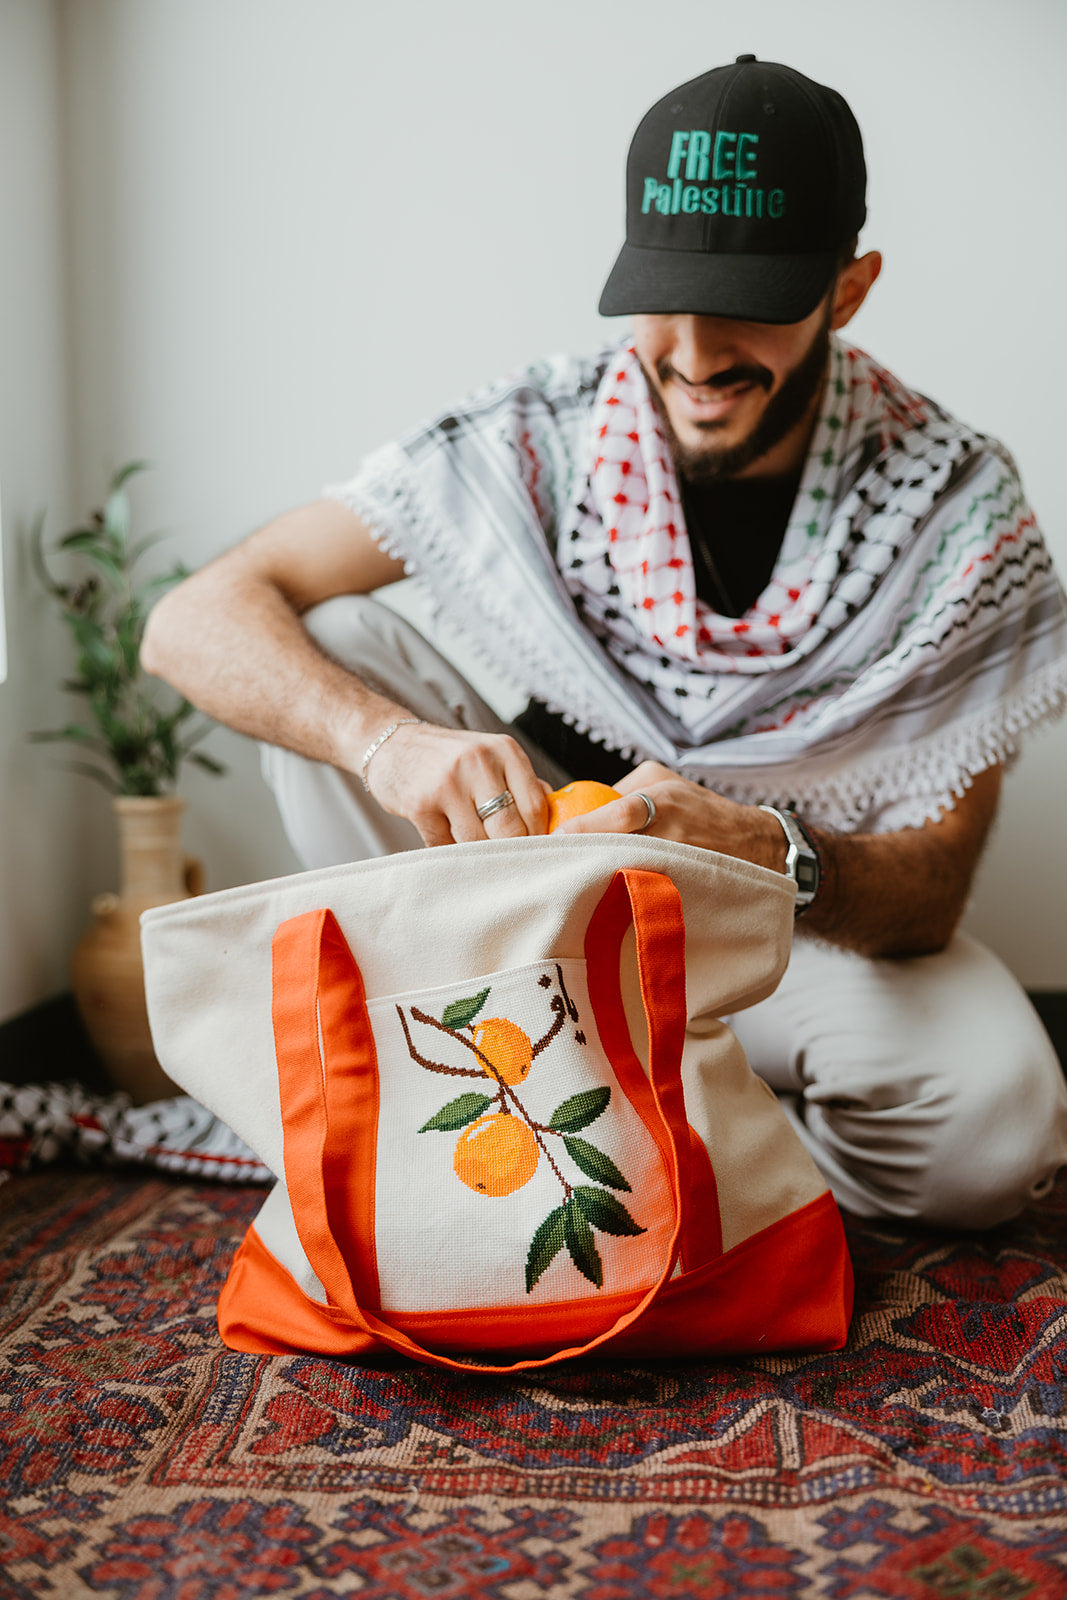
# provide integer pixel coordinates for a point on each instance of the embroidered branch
(498, 1151)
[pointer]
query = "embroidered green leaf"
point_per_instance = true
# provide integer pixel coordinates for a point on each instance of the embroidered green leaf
(547, 1243)
(457, 1113)
(580, 1110)
(578, 1236)
(605, 1212)
(460, 1012)
(594, 1163)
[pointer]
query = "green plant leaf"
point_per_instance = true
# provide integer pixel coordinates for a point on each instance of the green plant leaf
(120, 736)
(78, 538)
(545, 1246)
(180, 713)
(168, 750)
(208, 763)
(164, 580)
(58, 591)
(136, 717)
(194, 736)
(100, 661)
(124, 474)
(73, 731)
(142, 782)
(605, 1212)
(594, 1163)
(87, 771)
(578, 1236)
(580, 1110)
(457, 1114)
(148, 542)
(93, 549)
(461, 1012)
(117, 517)
(129, 629)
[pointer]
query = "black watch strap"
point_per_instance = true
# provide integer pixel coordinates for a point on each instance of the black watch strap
(802, 858)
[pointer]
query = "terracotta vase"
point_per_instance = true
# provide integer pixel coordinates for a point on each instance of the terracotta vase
(106, 969)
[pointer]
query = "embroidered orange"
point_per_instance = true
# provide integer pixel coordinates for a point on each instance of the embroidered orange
(504, 1044)
(575, 799)
(496, 1155)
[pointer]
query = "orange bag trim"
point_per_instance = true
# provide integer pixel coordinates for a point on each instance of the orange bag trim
(703, 1240)
(316, 979)
(313, 965)
(741, 1303)
(701, 1220)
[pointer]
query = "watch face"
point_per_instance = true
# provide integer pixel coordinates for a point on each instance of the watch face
(806, 872)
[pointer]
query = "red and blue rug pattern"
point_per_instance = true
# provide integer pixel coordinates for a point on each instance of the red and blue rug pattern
(141, 1460)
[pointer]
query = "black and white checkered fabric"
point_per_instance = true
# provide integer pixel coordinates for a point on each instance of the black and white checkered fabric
(47, 1122)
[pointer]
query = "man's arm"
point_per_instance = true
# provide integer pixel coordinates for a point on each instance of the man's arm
(890, 894)
(230, 639)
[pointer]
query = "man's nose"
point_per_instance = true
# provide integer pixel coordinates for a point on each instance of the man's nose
(703, 346)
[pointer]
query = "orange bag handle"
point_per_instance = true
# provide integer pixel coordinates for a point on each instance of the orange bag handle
(327, 1073)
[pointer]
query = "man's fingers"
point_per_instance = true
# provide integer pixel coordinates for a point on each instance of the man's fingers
(629, 814)
(514, 790)
(507, 823)
(440, 779)
(527, 791)
(434, 829)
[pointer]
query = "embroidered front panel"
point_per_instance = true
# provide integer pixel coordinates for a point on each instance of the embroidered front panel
(511, 1168)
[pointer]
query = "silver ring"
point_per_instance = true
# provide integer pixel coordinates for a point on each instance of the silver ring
(499, 802)
(639, 794)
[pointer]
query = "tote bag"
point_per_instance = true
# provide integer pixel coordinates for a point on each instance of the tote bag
(508, 1123)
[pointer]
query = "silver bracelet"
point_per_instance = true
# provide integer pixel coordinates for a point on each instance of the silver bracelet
(372, 749)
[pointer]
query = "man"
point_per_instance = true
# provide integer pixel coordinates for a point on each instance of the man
(794, 611)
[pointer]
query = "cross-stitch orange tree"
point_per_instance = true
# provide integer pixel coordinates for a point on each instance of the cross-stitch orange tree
(500, 1149)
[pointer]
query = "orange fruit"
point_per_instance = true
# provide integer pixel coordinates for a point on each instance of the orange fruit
(575, 799)
(504, 1044)
(496, 1155)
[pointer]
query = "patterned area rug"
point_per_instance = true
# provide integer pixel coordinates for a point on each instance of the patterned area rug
(141, 1460)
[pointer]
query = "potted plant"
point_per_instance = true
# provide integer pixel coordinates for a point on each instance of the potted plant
(133, 739)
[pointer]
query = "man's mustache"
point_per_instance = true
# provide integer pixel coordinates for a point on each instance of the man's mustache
(741, 373)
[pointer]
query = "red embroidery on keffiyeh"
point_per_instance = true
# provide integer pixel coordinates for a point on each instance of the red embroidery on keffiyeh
(634, 491)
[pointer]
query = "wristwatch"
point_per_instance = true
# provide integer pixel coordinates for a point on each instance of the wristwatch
(802, 860)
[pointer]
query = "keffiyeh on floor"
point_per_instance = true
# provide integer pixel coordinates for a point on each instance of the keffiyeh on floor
(47, 1122)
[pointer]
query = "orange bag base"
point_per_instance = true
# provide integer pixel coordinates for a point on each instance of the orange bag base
(744, 1302)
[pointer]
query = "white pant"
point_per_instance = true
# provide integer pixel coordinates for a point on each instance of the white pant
(923, 1088)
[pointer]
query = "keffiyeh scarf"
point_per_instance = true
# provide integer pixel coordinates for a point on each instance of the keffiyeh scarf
(911, 631)
(42, 1123)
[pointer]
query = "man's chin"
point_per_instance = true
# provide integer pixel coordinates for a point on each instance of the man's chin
(713, 450)
(710, 437)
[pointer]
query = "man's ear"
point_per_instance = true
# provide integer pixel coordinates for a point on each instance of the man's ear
(852, 287)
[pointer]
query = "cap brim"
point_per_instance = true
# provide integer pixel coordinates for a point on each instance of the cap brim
(749, 288)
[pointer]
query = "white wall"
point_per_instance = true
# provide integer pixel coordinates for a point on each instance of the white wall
(44, 877)
(299, 225)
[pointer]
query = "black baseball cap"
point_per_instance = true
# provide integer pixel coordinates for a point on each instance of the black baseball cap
(742, 186)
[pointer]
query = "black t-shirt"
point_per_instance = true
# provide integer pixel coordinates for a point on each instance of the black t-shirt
(736, 528)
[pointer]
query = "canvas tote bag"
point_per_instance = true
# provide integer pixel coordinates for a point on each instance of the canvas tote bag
(508, 1123)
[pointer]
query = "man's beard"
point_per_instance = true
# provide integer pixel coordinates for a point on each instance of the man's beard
(707, 462)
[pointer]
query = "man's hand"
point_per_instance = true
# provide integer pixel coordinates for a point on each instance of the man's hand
(438, 777)
(230, 638)
(885, 894)
(689, 813)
